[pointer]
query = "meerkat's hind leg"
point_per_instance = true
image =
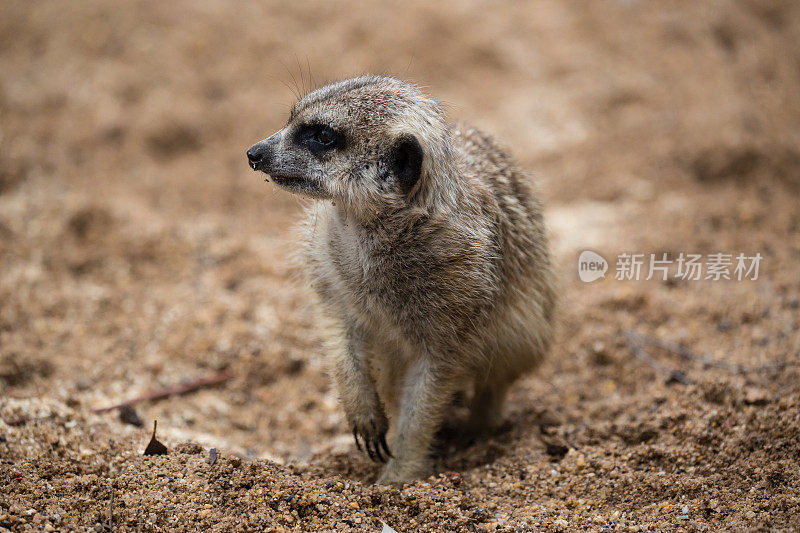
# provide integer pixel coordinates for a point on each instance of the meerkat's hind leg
(486, 406)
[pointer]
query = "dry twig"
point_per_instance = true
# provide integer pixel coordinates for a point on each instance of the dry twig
(160, 394)
(642, 355)
(176, 390)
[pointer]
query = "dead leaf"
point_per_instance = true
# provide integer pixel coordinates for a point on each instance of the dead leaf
(154, 447)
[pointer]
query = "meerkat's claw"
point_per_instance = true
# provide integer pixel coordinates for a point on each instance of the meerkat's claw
(384, 445)
(369, 450)
(373, 445)
(377, 447)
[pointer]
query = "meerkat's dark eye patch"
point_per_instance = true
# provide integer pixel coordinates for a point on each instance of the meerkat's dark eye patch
(319, 138)
(406, 161)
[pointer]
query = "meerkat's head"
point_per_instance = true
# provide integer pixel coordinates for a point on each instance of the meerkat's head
(368, 142)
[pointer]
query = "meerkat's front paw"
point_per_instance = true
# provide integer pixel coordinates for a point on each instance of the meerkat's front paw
(372, 430)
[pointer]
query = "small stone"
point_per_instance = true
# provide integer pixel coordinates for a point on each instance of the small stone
(128, 415)
(557, 451)
(353, 505)
(295, 366)
(452, 477)
(204, 513)
(756, 396)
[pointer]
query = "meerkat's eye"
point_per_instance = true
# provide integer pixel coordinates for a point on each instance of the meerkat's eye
(325, 137)
(319, 138)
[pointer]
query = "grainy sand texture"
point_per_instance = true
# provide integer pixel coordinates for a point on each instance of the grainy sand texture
(139, 253)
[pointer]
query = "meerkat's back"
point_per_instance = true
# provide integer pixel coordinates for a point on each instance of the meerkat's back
(524, 328)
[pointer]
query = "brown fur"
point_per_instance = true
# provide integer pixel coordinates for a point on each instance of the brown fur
(430, 288)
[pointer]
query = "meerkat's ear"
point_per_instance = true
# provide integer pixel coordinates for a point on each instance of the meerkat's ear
(406, 160)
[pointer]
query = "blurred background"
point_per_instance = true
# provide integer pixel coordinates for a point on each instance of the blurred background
(138, 251)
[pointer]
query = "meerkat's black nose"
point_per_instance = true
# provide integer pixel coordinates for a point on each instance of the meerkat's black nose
(254, 156)
(260, 155)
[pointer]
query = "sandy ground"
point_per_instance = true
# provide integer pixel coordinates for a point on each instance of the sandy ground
(137, 252)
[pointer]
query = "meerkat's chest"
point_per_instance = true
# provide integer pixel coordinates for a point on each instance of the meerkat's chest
(376, 271)
(410, 282)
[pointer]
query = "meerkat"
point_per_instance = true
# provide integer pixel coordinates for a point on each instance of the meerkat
(428, 251)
